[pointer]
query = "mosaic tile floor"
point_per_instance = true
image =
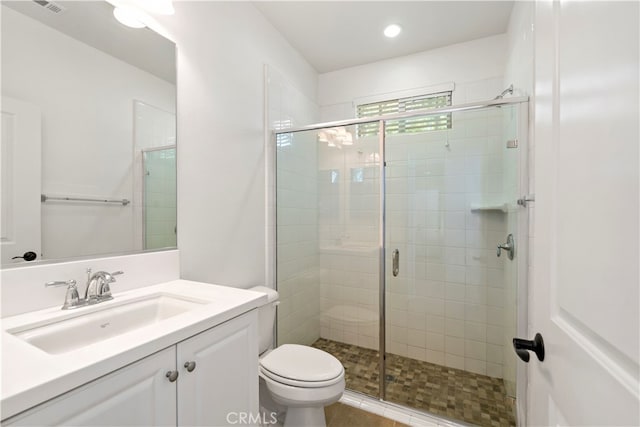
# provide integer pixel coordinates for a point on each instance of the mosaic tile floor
(453, 393)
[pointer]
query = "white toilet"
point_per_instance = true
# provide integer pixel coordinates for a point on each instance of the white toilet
(303, 379)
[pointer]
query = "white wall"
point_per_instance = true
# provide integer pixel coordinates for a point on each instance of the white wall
(463, 64)
(86, 98)
(222, 48)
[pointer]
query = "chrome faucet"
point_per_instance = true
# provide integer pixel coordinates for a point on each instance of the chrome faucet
(96, 291)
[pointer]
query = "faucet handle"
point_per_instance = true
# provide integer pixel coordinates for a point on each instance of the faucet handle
(70, 283)
(72, 298)
(104, 291)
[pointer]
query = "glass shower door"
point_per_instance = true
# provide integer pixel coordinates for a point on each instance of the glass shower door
(327, 251)
(159, 197)
(450, 304)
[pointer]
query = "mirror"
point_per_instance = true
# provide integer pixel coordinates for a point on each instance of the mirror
(88, 134)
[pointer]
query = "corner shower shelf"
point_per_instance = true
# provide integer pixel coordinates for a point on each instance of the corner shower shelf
(495, 207)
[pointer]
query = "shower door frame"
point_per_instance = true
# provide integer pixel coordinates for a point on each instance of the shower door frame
(522, 226)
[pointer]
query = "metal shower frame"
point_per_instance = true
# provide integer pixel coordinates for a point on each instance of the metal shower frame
(496, 102)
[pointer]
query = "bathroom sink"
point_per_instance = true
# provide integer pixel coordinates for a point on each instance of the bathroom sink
(102, 322)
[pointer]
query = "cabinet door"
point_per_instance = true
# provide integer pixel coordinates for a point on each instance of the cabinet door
(136, 395)
(224, 383)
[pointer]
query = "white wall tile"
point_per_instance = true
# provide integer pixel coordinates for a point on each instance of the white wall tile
(450, 284)
(418, 353)
(435, 323)
(455, 310)
(475, 331)
(437, 357)
(475, 366)
(454, 327)
(454, 346)
(454, 361)
(435, 341)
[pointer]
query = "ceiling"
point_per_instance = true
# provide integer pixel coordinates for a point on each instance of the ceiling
(93, 23)
(337, 34)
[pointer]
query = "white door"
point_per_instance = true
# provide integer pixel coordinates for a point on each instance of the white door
(137, 395)
(20, 178)
(218, 382)
(585, 297)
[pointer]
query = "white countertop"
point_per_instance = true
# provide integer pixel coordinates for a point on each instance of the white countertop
(31, 376)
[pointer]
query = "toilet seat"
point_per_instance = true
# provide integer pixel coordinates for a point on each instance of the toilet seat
(299, 383)
(301, 366)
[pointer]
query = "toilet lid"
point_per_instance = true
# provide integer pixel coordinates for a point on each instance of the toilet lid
(302, 363)
(268, 375)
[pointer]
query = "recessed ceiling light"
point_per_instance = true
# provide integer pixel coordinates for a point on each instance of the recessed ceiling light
(392, 30)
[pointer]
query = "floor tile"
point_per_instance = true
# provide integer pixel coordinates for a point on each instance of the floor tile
(341, 415)
(438, 390)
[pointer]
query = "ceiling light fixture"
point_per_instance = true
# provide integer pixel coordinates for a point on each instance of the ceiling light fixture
(129, 16)
(392, 30)
(159, 7)
(135, 13)
(335, 137)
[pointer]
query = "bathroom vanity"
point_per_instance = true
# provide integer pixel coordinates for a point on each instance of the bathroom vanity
(177, 353)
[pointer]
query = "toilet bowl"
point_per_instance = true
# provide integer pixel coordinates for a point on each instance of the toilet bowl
(303, 379)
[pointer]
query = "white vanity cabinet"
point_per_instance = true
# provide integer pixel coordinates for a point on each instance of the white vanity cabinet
(224, 380)
(138, 394)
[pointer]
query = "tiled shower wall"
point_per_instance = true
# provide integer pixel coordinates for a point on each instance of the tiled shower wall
(160, 216)
(348, 219)
(297, 244)
(153, 128)
(447, 304)
(296, 207)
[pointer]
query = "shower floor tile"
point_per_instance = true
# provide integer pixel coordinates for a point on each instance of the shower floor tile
(448, 392)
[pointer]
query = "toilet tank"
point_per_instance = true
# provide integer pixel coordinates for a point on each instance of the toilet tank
(266, 317)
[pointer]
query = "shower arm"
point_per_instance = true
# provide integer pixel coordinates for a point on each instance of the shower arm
(508, 90)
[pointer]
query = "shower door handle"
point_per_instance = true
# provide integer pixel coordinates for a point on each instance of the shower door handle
(396, 262)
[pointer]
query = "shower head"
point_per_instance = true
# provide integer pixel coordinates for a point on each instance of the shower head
(508, 90)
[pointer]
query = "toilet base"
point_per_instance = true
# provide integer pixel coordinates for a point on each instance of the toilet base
(305, 417)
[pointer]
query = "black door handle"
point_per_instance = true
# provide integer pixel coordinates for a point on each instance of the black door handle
(28, 256)
(523, 347)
